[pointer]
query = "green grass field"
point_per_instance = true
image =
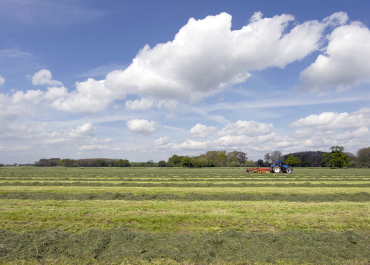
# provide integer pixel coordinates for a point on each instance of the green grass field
(199, 216)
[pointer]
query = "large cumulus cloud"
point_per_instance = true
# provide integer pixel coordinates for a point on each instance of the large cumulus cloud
(204, 57)
(345, 63)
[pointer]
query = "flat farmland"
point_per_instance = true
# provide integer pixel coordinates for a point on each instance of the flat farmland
(200, 216)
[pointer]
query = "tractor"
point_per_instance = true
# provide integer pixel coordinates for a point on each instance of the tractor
(278, 167)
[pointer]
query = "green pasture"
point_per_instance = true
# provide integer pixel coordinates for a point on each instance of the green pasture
(197, 204)
(182, 191)
(185, 217)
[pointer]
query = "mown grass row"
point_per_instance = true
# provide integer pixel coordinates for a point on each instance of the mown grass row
(185, 216)
(356, 197)
(182, 191)
(116, 246)
(159, 179)
(184, 185)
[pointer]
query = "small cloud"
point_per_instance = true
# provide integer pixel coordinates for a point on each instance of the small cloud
(142, 127)
(247, 128)
(162, 141)
(44, 77)
(2, 80)
(139, 104)
(202, 131)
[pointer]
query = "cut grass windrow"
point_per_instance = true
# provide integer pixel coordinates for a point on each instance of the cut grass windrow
(171, 184)
(184, 216)
(117, 246)
(182, 191)
(356, 197)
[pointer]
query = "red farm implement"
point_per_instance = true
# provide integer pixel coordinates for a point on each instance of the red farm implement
(258, 170)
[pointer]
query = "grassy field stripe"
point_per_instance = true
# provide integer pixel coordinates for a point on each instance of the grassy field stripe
(169, 184)
(356, 197)
(113, 245)
(187, 179)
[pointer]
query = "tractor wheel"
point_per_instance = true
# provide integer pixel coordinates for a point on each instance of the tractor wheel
(289, 170)
(277, 169)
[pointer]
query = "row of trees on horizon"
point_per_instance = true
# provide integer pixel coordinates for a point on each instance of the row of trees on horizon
(221, 158)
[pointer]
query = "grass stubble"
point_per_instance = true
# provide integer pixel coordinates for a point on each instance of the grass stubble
(184, 216)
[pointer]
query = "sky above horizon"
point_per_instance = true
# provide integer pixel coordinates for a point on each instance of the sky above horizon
(143, 80)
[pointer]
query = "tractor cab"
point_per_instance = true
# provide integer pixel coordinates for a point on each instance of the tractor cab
(278, 163)
(279, 166)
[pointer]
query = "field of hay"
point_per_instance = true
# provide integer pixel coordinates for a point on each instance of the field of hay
(184, 216)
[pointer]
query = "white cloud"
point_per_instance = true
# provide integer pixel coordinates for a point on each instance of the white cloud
(162, 141)
(54, 93)
(335, 120)
(345, 63)
(200, 130)
(85, 130)
(189, 144)
(206, 56)
(140, 104)
(94, 147)
(149, 103)
(143, 127)
(90, 97)
(108, 140)
(2, 80)
(363, 131)
(62, 135)
(44, 77)
(34, 96)
(248, 128)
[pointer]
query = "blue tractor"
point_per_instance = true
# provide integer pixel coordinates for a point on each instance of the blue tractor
(278, 167)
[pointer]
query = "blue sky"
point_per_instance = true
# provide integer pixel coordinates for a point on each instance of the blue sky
(143, 80)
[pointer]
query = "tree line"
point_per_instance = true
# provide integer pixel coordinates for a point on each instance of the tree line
(221, 158)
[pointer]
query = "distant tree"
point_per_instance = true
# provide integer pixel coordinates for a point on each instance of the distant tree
(162, 163)
(68, 162)
(213, 154)
(336, 158)
(250, 163)
(304, 162)
(211, 163)
(195, 162)
(363, 157)
(176, 160)
(293, 161)
(232, 164)
(223, 160)
(268, 158)
(1, 165)
(260, 163)
(122, 163)
(276, 156)
(203, 162)
(352, 159)
(170, 164)
(118, 163)
(126, 163)
(186, 162)
(101, 163)
(237, 156)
